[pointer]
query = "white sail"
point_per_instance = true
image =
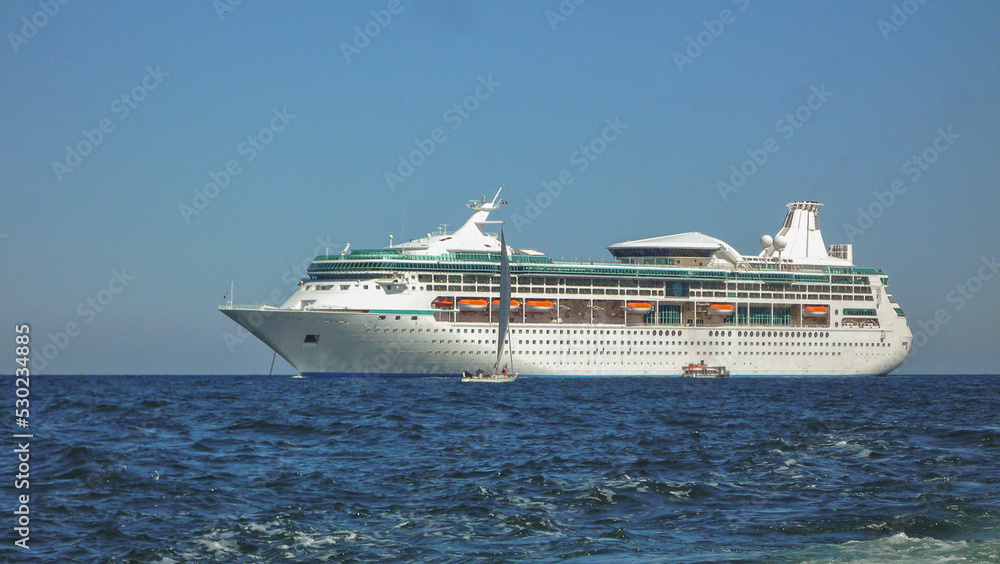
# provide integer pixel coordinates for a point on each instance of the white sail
(504, 299)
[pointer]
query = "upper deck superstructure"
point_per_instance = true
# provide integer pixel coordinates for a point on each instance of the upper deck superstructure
(423, 307)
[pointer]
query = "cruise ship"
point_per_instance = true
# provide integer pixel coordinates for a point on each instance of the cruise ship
(429, 307)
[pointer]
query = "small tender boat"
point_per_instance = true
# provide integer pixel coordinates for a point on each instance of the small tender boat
(539, 305)
(472, 304)
(704, 371)
(639, 307)
(815, 311)
(442, 303)
(514, 305)
(721, 309)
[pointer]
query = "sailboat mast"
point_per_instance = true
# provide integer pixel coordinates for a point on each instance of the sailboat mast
(504, 298)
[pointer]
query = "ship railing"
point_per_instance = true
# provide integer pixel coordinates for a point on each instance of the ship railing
(364, 254)
(259, 307)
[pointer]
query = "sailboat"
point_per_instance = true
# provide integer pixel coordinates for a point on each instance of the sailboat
(498, 374)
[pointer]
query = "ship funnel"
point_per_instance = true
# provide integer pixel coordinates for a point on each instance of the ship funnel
(800, 233)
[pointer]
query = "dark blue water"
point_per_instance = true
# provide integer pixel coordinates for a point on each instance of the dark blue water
(273, 469)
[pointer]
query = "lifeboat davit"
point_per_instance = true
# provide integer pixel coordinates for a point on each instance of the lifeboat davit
(639, 307)
(815, 311)
(442, 303)
(514, 304)
(721, 309)
(472, 304)
(539, 305)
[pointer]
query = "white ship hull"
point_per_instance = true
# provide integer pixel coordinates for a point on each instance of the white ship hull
(352, 343)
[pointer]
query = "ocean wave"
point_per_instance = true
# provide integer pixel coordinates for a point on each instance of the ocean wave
(905, 549)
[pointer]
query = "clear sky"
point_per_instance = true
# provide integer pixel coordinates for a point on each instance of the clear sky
(116, 117)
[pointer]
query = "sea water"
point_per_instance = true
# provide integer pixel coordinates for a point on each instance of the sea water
(171, 469)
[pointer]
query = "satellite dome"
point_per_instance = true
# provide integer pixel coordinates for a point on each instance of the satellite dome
(766, 241)
(780, 243)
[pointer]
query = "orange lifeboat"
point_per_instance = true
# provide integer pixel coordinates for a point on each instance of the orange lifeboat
(472, 304)
(639, 307)
(514, 304)
(721, 309)
(815, 311)
(539, 305)
(442, 303)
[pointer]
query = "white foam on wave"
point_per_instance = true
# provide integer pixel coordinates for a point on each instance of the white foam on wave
(603, 494)
(912, 550)
(306, 540)
(272, 528)
(902, 548)
(862, 448)
(221, 544)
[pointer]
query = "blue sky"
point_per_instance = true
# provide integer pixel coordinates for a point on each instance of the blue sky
(310, 104)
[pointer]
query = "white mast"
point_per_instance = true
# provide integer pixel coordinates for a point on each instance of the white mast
(504, 299)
